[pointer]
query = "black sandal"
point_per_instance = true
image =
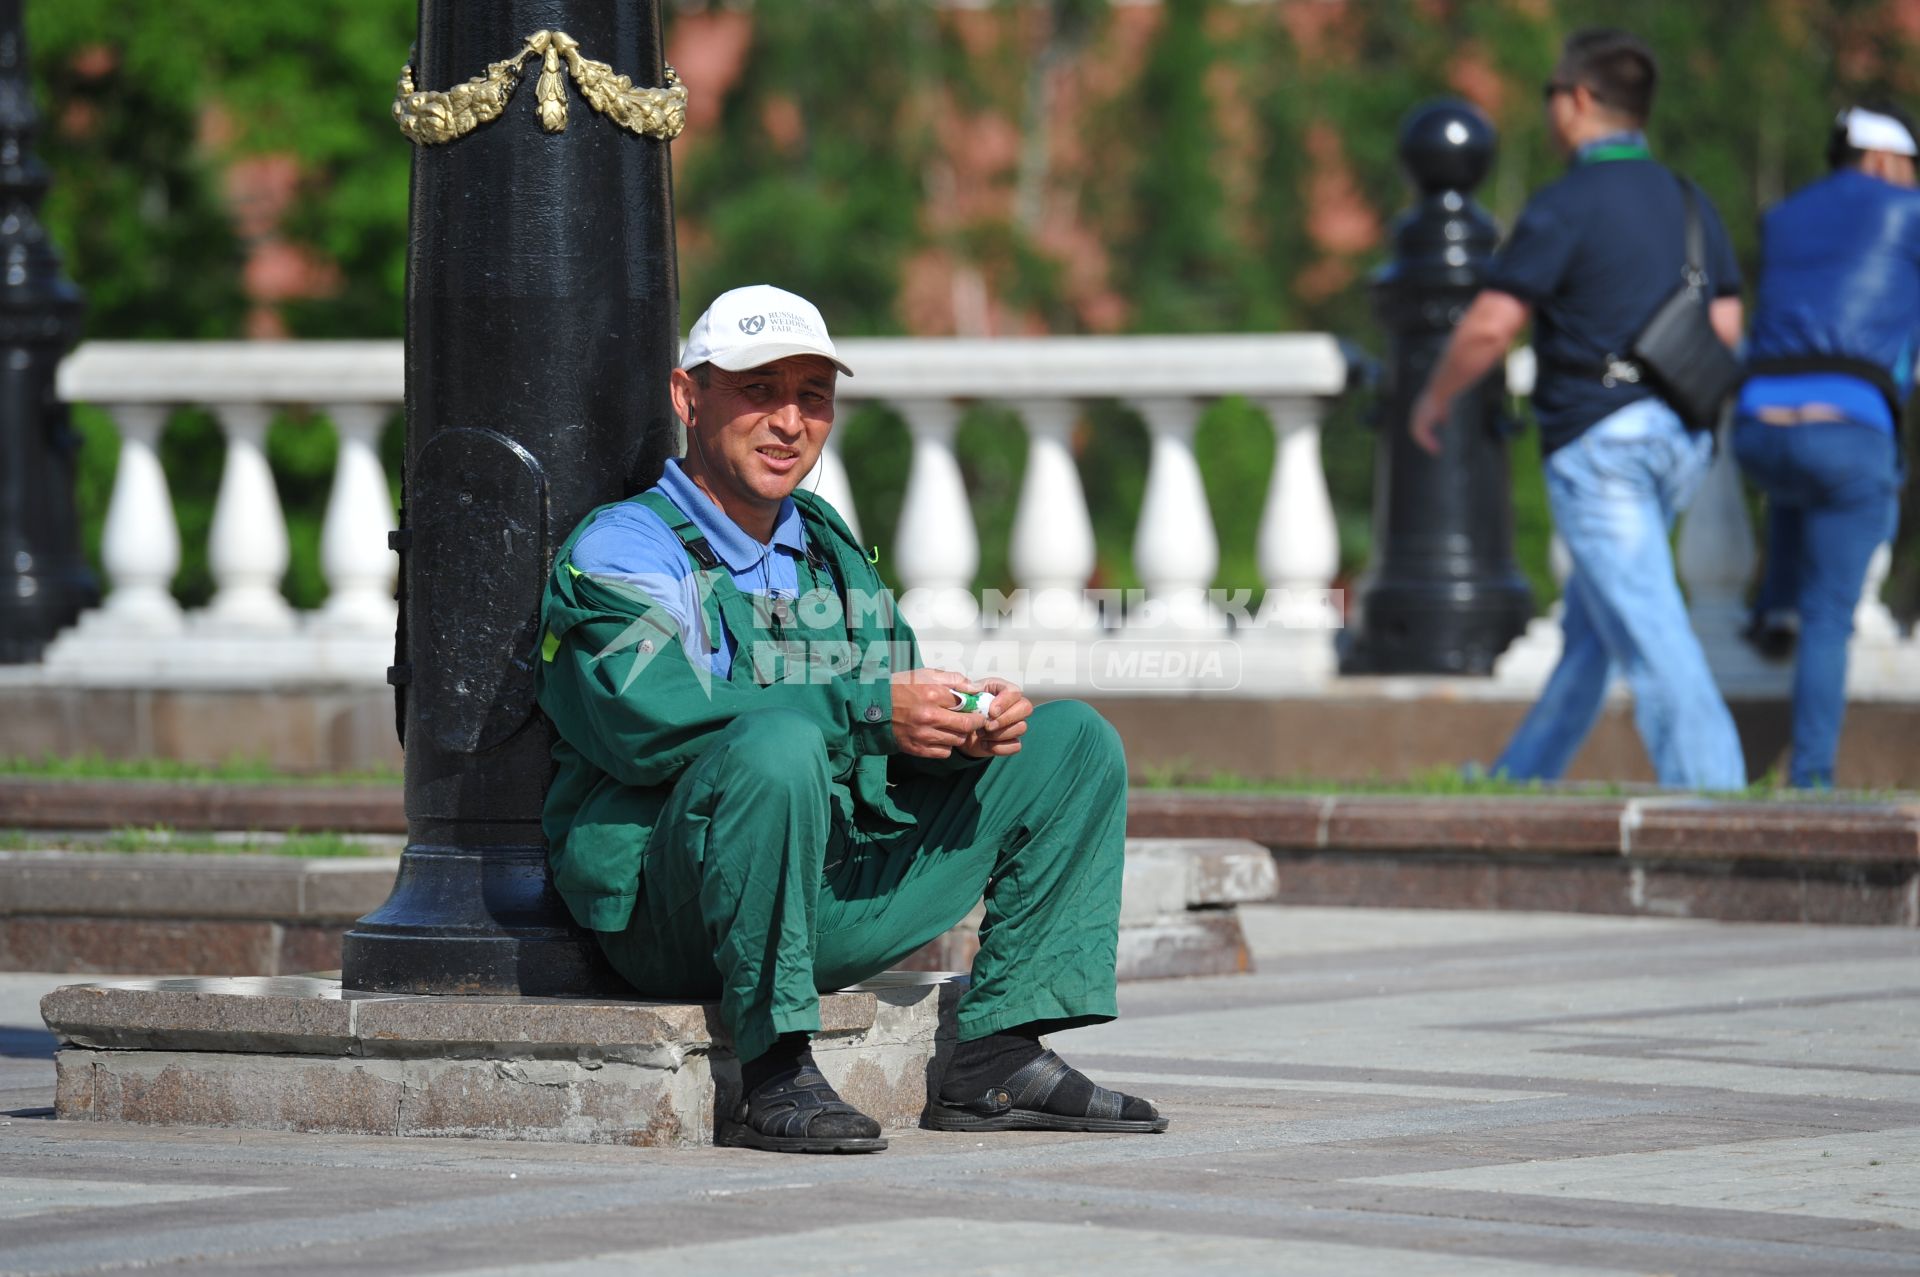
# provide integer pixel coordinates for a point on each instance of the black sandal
(780, 1116)
(1015, 1105)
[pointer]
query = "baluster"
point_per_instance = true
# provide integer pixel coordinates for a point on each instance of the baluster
(1880, 663)
(1872, 621)
(1052, 553)
(247, 545)
(1530, 658)
(935, 546)
(139, 544)
(828, 481)
(1298, 544)
(1716, 559)
(354, 556)
(1175, 548)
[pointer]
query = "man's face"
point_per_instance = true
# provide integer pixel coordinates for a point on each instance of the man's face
(752, 436)
(1563, 97)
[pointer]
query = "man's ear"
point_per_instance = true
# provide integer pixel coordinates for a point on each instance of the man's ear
(685, 392)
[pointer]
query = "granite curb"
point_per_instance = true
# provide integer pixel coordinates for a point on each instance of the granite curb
(1642, 827)
(152, 884)
(266, 915)
(1637, 825)
(31, 803)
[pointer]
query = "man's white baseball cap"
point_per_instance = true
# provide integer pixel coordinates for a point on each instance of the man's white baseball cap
(753, 326)
(1872, 131)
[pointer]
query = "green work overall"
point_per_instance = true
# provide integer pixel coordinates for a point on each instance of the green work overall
(759, 840)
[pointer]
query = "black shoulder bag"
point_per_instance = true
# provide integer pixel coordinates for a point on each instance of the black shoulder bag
(1678, 353)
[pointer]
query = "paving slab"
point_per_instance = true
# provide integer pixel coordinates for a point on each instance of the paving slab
(1392, 1092)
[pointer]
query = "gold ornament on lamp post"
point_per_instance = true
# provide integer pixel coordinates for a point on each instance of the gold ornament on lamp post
(430, 116)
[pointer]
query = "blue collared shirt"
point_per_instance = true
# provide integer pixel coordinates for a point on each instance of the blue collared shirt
(1839, 276)
(631, 544)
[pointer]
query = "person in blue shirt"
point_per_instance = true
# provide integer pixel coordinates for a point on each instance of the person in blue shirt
(1590, 259)
(1830, 363)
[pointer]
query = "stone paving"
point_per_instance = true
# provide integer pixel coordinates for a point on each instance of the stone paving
(1395, 1092)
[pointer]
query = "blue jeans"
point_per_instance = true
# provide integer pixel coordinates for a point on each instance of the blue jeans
(1614, 492)
(1833, 497)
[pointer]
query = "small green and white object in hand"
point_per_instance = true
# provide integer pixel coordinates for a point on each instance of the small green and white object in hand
(973, 702)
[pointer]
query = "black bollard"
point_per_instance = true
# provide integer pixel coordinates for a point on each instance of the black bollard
(44, 580)
(1442, 594)
(542, 323)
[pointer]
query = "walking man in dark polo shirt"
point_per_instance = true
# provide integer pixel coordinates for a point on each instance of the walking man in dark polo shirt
(1590, 259)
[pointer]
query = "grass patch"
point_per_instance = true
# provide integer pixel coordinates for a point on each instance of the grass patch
(237, 770)
(1433, 782)
(1443, 782)
(322, 844)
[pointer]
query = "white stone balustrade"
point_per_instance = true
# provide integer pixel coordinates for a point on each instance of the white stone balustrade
(247, 545)
(139, 544)
(247, 635)
(1298, 544)
(935, 548)
(357, 564)
(1530, 658)
(1175, 550)
(1167, 381)
(1053, 553)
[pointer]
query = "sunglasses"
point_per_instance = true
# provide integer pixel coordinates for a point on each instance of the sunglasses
(1554, 87)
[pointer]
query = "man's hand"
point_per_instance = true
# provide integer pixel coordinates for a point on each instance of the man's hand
(1003, 729)
(1429, 414)
(1727, 316)
(925, 722)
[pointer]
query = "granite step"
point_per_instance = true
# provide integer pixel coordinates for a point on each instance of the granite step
(300, 1053)
(1803, 859)
(197, 914)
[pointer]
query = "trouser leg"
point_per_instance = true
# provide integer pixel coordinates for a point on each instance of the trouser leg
(1780, 576)
(1613, 500)
(1763, 452)
(1546, 741)
(728, 891)
(1042, 834)
(1840, 537)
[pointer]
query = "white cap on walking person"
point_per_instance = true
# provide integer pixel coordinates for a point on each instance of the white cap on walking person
(1872, 131)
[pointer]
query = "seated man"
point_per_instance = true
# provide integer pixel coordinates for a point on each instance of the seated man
(760, 796)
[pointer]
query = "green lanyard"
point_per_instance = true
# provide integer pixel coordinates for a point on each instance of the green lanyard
(1616, 151)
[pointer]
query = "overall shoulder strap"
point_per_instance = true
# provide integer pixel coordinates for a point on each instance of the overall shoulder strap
(827, 539)
(698, 547)
(721, 597)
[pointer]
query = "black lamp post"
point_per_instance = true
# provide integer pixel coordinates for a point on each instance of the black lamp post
(44, 581)
(1443, 594)
(542, 323)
